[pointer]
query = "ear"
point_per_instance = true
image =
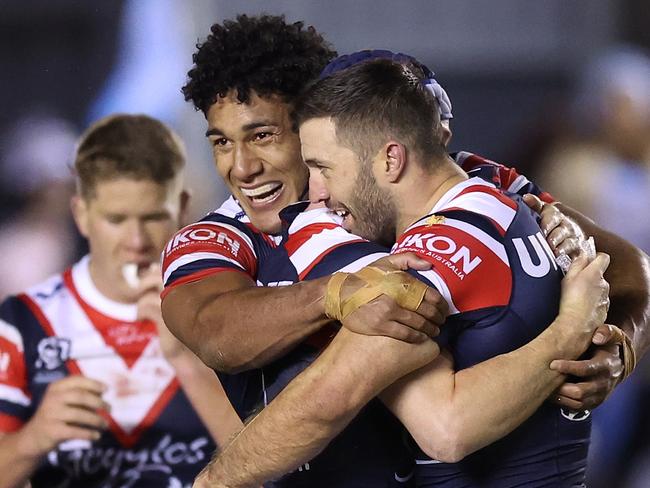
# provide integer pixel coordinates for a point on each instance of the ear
(446, 133)
(392, 161)
(79, 208)
(183, 214)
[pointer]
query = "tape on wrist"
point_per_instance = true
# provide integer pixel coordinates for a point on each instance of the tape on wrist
(408, 295)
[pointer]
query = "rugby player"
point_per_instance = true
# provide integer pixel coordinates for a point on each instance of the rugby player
(319, 403)
(245, 89)
(92, 385)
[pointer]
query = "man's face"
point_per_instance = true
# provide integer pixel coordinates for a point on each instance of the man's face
(258, 156)
(351, 187)
(127, 221)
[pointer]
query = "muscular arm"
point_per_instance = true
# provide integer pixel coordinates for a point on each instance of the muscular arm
(234, 325)
(314, 408)
(324, 398)
(629, 279)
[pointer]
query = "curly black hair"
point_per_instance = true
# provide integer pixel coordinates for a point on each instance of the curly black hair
(264, 54)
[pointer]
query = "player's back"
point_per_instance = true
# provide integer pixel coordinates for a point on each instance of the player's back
(494, 266)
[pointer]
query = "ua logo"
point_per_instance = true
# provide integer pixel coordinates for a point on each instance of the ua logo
(52, 352)
(575, 416)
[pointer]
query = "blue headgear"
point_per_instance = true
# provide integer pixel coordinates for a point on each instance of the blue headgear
(430, 83)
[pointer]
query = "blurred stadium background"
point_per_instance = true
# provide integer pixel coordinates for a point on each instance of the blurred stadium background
(561, 90)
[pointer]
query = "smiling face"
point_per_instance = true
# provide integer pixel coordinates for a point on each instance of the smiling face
(351, 187)
(257, 154)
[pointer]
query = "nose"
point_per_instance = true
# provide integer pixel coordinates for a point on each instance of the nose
(137, 238)
(317, 189)
(246, 164)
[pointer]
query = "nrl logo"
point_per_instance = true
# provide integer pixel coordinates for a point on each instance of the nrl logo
(575, 416)
(434, 220)
(52, 352)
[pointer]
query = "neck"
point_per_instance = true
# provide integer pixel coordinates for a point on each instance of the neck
(416, 202)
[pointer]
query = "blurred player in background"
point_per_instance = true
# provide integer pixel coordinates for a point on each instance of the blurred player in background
(94, 391)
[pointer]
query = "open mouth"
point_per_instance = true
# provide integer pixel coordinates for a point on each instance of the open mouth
(263, 194)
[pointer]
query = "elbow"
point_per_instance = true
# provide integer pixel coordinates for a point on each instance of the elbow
(445, 442)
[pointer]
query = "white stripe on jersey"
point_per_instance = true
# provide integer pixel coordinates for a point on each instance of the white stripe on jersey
(14, 395)
(355, 266)
(319, 243)
(10, 333)
(518, 184)
(439, 283)
(484, 204)
(455, 190)
(230, 208)
(191, 258)
(314, 216)
(231, 228)
(495, 246)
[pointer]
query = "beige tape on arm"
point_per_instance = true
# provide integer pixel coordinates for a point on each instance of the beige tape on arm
(377, 282)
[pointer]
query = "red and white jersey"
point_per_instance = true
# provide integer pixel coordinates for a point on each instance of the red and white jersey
(495, 269)
(65, 326)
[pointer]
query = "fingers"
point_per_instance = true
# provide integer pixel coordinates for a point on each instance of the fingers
(581, 369)
(401, 332)
(79, 382)
(533, 202)
(600, 263)
(569, 246)
(408, 260)
(81, 417)
(434, 307)
(608, 334)
(151, 279)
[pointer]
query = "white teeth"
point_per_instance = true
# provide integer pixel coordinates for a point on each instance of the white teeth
(342, 213)
(260, 190)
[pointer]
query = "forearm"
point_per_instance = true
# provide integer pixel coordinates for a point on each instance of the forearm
(247, 327)
(17, 463)
(315, 407)
(452, 414)
(629, 279)
(207, 396)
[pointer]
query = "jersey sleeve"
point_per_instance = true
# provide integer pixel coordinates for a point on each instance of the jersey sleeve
(500, 175)
(15, 398)
(470, 266)
(318, 246)
(206, 248)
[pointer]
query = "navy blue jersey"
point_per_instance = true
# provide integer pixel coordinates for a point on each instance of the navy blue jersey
(369, 452)
(496, 271)
(63, 327)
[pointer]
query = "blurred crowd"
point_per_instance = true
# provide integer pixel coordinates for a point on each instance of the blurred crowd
(595, 156)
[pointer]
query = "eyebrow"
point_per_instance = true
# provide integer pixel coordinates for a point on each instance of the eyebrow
(215, 131)
(315, 162)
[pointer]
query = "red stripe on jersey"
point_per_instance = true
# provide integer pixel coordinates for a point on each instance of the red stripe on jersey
(546, 197)
(9, 423)
(297, 239)
(211, 238)
(476, 277)
(489, 191)
(199, 275)
(318, 258)
(12, 366)
(128, 339)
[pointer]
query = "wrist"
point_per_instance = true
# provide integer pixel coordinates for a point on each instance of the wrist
(27, 446)
(567, 339)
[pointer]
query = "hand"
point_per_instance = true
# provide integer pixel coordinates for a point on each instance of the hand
(601, 372)
(149, 290)
(70, 409)
(563, 234)
(383, 316)
(585, 295)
